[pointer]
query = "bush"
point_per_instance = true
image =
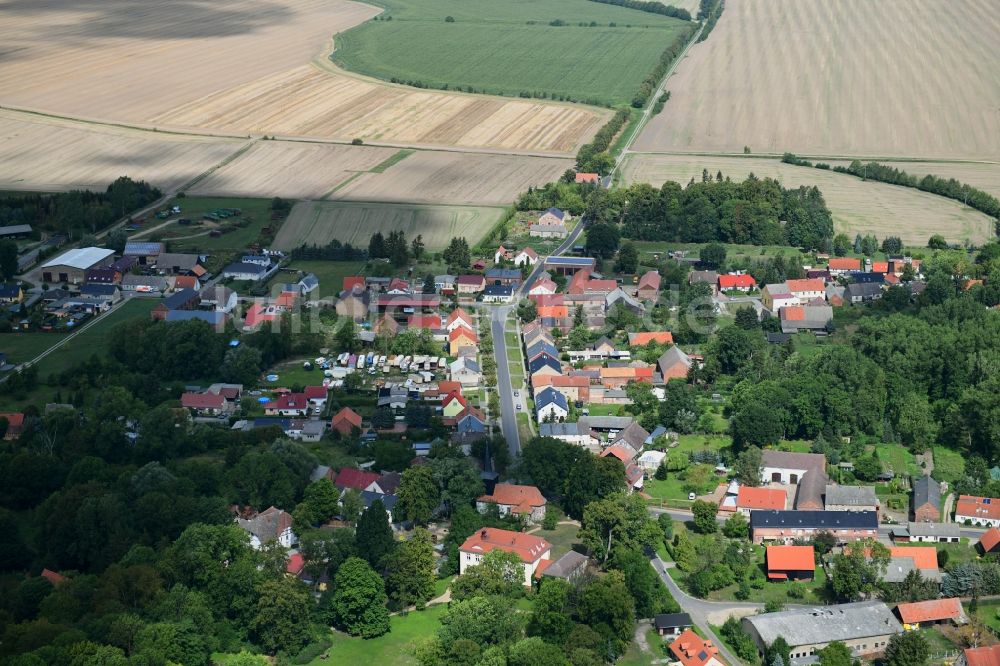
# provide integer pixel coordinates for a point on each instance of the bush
(449, 19)
(311, 652)
(357, 141)
(550, 521)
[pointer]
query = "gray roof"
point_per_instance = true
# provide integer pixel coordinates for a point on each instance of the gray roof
(672, 357)
(634, 435)
(605, 422)
(790, 460)
(548, 396)
(898, 567)
(245, 268)
(15, 229)
(709, 277)
(926, 491)
(851, 495)
(557, 429)
(99, 289)
(829, 520)
(503, 274)
(80, 258)
(175, 260)
(567, 565)
(863, 289)
(811, 487)
(388, 501)
(210, 317)
(268, 524)
(620, 295)
(952, 530)
(671, 620)
(154, 281)
(143, 248)
(843, 622)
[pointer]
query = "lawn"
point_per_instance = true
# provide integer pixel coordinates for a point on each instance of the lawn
(562, 539)
(93, 340)
(21, 347)
(948, 465)
(331, 274)
(989, 613)
(256, 214)
(634, 656)
(898, 458)
(594, 53)
(395, 647)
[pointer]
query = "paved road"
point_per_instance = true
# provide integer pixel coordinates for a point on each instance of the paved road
(508, 415)
(704, 612)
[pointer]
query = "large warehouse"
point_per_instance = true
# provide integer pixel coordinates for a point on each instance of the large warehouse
(70, 266)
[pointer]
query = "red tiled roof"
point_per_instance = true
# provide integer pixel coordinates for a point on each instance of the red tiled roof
(455, 395)
(880, 267)
(315, 392)
(990, 539)
(650, 280)
(735, 281)
(522, 499)
(352, 281)
(806, 285)
(790, 558)
(206, 400)
(586, 178)
(983, 656)
(295, 564)
(793, 313)
(463, 332)
(289, 401)
(185, 282)
(845, 264)
(749, 497)
(617, 451)
(53, 577)
(528, 547)
(693, 650)
(528, 251)
(458, 313)
(471, 280)
(348, 416)
(930, 611)
(431, 321)
(976, 507)
(924, 557)
(642, 339)
(14, 419)
(358, 479)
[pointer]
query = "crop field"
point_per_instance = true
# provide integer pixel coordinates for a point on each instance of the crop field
(320, 222)
(49, 155)
(248, 67)
(857, 206)
(983, 175)
(294, 170)
(884, 79)
(454, 178)
(591, 62)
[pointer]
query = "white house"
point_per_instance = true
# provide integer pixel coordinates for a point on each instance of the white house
(552, 216)
(526, 257)
(787, 467)
(531, 549)
(466, 371)
(269, 525)
(551, 404)
(498, 293)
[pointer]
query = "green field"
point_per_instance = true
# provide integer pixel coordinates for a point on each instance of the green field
(93, 340)
(242, 231)
(331, 274)
(510, 48)
(395, 647)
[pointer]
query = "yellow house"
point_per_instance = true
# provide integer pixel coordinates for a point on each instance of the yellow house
(11, 293)
(461, 337)
(453, 405)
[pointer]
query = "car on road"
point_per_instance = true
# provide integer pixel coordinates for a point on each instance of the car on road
(691, 496)
(518, 406)
(517, 394)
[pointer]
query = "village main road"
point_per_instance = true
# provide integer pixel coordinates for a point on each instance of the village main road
(508, 414)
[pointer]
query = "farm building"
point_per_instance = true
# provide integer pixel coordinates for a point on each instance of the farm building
(974, 510)
(935, 611)
(562, 265)
(145, 252)
(671, 624)
(72, 266)
(244, 270)
(15, 231)
(929, 533)
(926, 499)
(990, 541)
(851, 498)
(553, 216)
(790, 562)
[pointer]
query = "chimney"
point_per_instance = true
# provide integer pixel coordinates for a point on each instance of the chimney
(482, 535)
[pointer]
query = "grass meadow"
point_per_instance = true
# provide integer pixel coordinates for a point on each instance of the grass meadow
(600, 55)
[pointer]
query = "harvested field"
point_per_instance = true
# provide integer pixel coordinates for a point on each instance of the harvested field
(320, 222)
(454, 178)
(49, 155)
(857, 206)
(983, 175)
(292, 170)
(243, 67)
(886, 79)
(309, 101)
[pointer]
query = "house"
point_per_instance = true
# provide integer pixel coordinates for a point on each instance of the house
(289, 404)
(540, 347)
(15, 424)
(470, 421)
(312, 431)
(185, 299)
(649, 286)
(308, 283)
(623, 453)
(386, 326)
(928, 613)
(526, 257)
(787, 467)
(632, 436)
(674, 364)
(498, 293)
(671, 624)
(186, 282)
(904, 559)
(634, 477)
(369, 497)
(931, 533)
(524, 501)
(466, 371)
(980, 656)
(203, 404)
(690, 649)
(862, 292)
(777, 296)
(11, 293)
(739, 282)
(71, 266)
(544, 287)
(108, 291)
(458, 317)
(502, 254)
(806, 289)
(972, 510)
(461, 337)
(345, 421)
(354, 304)
(790, 562)
(316, 395)
(851, 498)
(842, 265)
(398, 287)
(270, 525)
(865, 627)
(145, 251)
(219, 298)
(750, 499)
(245, 271)
(507, 276)
(172, 263)
(710, 278)
(445, 283)
(786, 526)
(795, 318)
(531, 549)
(356, 479)
(470, 284)
(926, 499)
(453, 405)
(553, 216)
(544, 365)
(574, 433)
(656, 337)
(569, 567)
(551, 405)
(562, 265)
(589, 178)
(430, 322)
(548, 231)
(989, 542)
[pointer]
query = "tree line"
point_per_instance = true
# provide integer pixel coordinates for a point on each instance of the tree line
(593, 157)
(709, 12)
(945, 187)
(332, 251)
(651, 7)
(652, 80)
(77, 212)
